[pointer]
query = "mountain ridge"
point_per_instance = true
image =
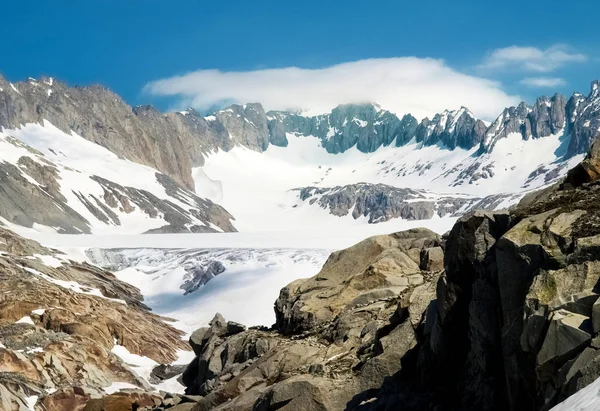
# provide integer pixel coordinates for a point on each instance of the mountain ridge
(176, 142)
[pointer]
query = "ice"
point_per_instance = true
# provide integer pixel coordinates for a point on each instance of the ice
(587, 399)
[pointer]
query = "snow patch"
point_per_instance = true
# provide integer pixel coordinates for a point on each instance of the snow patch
(25, 320)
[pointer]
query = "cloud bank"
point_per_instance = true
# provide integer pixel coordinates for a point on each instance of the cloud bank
(543, 82)
(422, 87)
(532, 58)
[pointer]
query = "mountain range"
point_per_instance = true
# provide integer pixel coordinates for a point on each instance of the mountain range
(174, 146)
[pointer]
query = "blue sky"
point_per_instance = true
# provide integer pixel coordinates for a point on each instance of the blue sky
(127, 44)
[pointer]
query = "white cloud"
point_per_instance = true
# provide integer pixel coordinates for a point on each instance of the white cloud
(543, 82)
(532, 58)
(422, 87)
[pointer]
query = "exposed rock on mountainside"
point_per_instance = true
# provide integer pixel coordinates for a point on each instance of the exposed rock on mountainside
(546, 117)
(246, 125)
(339, 333)
(98, 115)
(452, 129)
(55, 184)
(583, 119)
(59, 324)
(368, 127)
(381, 202)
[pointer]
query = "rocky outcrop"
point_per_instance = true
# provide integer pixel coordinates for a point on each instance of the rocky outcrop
(365, 126)
(336, 335)
(546, 117)
(59, 324)
(246, 125)
(513, 316)
(369, 127)
(452, 129)
(381, 202)
(583, 120)
(98, 115)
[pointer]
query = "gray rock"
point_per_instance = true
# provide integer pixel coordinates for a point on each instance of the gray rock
(246, 125)
(164, 372)
(568, 334)
(596, 317)
(235, 328)
(218, 325)
(183, 407)
(432, 259)
(197, 339)
(546, 117)
(451, 129)
(198, 275)
(381, 202)
(583, 120)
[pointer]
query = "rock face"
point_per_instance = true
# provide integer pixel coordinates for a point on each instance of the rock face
(246, 125)
(583, 120)
(368, 127)
(452, 129)
(381, 202)
(59, 324)
(337, 334)
(546, 117)
(514, 315)
(98, 115)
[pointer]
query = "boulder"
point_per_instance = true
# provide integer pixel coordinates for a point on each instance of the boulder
(567, 335)
(302, 393)
(596, 317)
(197, 339)
(377, 263)
(588, 170)
(432, 259)
(234, 328)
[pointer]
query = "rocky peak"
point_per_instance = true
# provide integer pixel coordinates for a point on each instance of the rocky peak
(457, 128)
(546, 117)
(595, 88)
(584, 119)
(406, 130)
(99, 115)
(247, 125)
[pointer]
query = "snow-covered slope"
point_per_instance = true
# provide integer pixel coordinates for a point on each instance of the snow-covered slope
(270, 179)
(69, 184)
